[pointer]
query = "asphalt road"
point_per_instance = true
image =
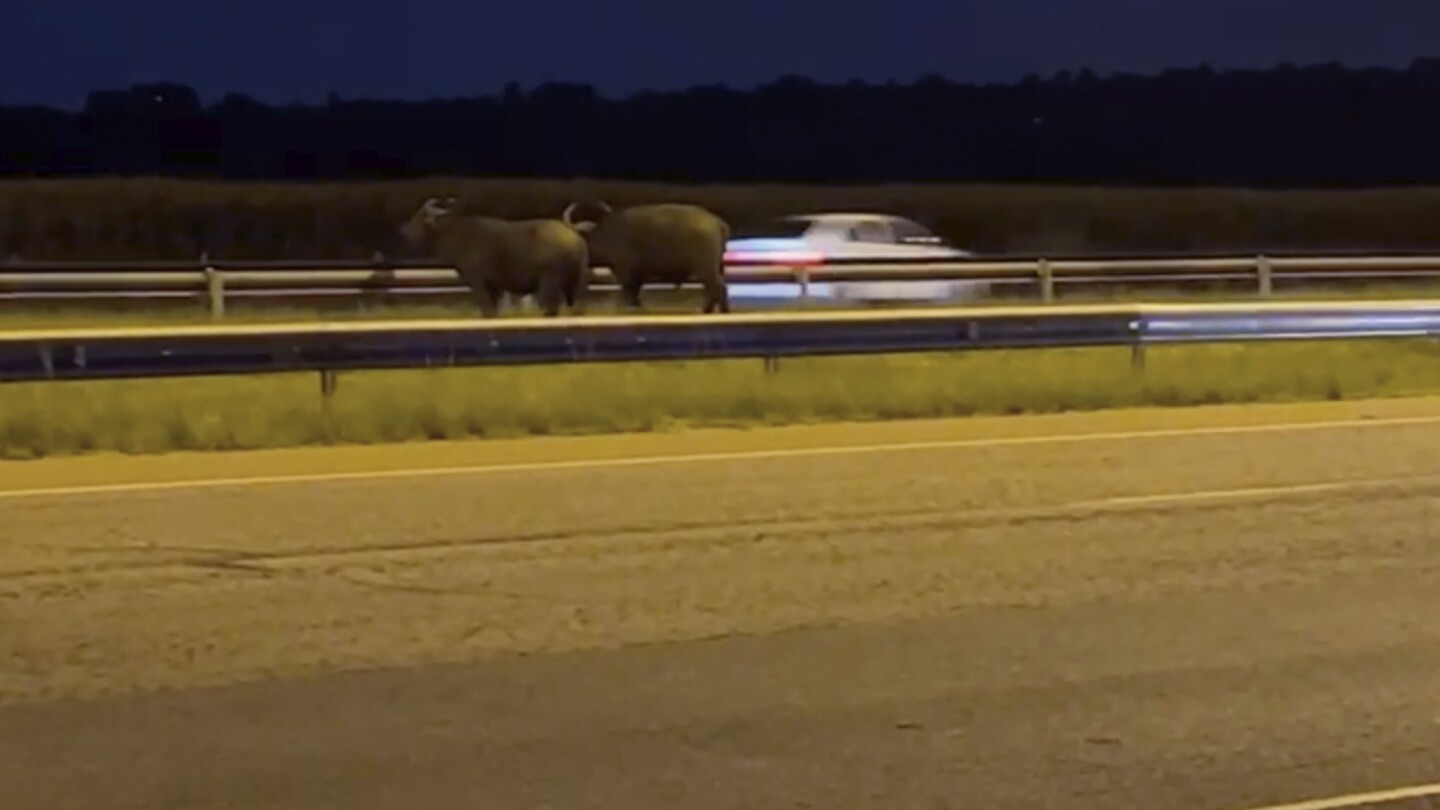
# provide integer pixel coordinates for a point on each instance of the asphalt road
(1167, 615)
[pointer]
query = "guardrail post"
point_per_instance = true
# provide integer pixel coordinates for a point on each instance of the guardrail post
(1265, 275)
(1046, 276)
(215, 292)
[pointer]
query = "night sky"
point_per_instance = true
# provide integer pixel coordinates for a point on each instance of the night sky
(54, 51)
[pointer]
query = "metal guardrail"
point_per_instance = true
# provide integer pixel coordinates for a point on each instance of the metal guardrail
(331, 347)
(216, 282)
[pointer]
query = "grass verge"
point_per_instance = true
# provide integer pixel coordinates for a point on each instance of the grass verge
(147, 416)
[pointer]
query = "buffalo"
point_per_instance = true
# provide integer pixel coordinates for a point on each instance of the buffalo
(665, 243)
(545, 258)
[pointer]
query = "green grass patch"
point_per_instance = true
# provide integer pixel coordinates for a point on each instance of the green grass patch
(146, 416)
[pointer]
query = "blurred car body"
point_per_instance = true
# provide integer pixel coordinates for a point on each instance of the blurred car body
(813, 239)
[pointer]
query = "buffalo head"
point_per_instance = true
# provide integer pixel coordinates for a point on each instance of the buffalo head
(431, 214)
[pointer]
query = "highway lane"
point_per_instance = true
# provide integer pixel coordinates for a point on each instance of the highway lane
(1203, 701)
(1177, 620)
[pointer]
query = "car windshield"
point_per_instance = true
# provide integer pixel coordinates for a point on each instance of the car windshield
(778, 228)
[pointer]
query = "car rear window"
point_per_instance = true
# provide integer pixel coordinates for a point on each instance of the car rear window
(906, 229)
(872, 230)
(775, 229)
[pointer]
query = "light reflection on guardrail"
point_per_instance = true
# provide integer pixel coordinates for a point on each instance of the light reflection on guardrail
(331, 347)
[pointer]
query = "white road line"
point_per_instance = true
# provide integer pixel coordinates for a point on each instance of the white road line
(699, 458)
(1170, 499)
(1358, 799)
(447, 549)
(1087, 508)
(1128, 502)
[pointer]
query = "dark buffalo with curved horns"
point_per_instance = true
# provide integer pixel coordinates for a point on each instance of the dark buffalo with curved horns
(666, 243)
(545, 258)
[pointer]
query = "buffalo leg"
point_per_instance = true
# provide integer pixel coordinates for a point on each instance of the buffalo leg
(574, 296)
(549, 295)
(490, 303)
(723, 287)
(482, 292)
(630, 294)
(717, 297)
(485, 300)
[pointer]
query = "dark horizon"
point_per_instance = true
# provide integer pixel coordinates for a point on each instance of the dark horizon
(211, 99)
(281, 51)
(1275, 128)
(624, 97)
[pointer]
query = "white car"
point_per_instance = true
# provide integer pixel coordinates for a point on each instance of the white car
(815, 238)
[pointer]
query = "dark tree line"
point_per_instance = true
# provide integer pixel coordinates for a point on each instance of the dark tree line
(1287, 127)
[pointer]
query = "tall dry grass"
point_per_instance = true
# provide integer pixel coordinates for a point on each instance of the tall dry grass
(146, 219)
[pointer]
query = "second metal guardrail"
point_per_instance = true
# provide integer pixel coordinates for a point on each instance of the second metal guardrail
(36, 355)
(216, 282)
